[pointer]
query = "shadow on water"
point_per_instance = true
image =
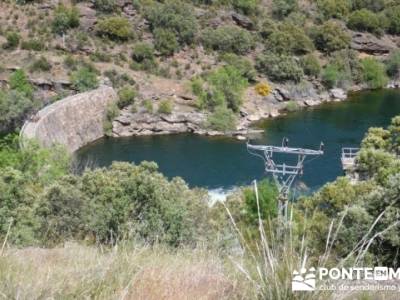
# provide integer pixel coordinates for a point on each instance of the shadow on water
(225, 162)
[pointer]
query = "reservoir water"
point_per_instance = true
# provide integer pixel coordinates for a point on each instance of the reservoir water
(221, 162)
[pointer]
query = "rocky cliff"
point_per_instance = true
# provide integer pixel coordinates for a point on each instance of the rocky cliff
(73, 122)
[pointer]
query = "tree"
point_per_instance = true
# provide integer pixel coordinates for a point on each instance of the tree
(247, 7)
(330, 37)
(107, 6)
(310, 65)
(393, 16)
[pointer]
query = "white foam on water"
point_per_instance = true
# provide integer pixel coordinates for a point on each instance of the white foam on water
(220, 194)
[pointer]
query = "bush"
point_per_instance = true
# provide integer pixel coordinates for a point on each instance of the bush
(107, 6)
(20, 83)
(373, 5)
(263, 89)
(126, 96)
(65, 18)
(14, 107)
(393, 64)
(243, 65)
(13, 39)
(290, 39)
(143, 52)
(228, 39)
(374, 73)
(115, 28)
(165, 107)
(310, 65)
(279, 67)
(330, 37)
(176, 17)
(118, 80)
(338, 9)
(247, 7)
(222, 119)
(41, 64)
(267, 207)
(393, 16)
(364, 20)
(282, 8)
(225, 87)
(84, 79)
(148, 106)
(165, 41)
(33, 44)
(292, 106)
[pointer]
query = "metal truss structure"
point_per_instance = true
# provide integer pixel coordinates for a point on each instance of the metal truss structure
(284, 175)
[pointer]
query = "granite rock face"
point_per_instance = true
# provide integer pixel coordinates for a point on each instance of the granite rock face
(74, 121)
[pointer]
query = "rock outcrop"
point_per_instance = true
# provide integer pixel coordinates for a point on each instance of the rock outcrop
(74, 121)
(368, 43)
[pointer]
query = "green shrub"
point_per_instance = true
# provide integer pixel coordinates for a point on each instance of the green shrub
(374, 73)
(330, 37)
(148, 106)
(225, 88)
(373, 5)
(292, 106)
(33, 44)
(112, 111)
(332, 76)
(84, 79)
(364, 20)
(393, 64)
(126, 96)
(115, 28)
(279, 67)
(143, 52)
(165, 107)
(310, 65)
(393, 16)
(13, 39)
(348, 64)
(289, 39)
(117, 79)
(176, 17)
(107, 6)
(222, 119)
(228, 39)
(334, 8)
(243, 65)
(41, 64)
(267, 27)
(247, 7)
(14, 107)
(282, 8)
(65, 18)
(165, 41)
(267, 207)
(20, 83)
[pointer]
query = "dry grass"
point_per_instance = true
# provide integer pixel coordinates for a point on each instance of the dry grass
(76, 271)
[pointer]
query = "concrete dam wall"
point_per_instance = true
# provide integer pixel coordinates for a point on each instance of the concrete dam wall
(74, 121)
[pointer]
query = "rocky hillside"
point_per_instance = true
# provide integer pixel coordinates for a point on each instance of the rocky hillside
(199, 66)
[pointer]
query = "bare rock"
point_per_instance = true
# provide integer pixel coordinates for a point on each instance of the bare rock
(369, 43)
(337, 93)
(242, 21)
